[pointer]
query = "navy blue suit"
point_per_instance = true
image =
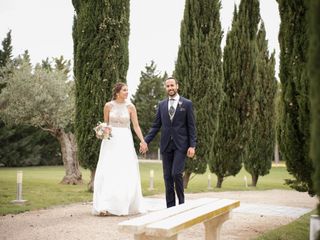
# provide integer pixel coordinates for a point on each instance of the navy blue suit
(176, 137)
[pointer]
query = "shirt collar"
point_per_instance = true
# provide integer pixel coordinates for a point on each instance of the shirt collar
(176, 97)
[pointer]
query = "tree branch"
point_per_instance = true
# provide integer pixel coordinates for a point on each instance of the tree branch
(52, 131)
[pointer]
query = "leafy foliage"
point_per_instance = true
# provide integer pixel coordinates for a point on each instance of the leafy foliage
(23, 145)
(39, 98)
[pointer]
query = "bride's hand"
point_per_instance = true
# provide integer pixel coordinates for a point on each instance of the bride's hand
(143, 147)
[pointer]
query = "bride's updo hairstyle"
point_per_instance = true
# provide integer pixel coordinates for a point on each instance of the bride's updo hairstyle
(116, 89)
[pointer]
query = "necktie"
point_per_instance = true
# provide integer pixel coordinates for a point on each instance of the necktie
(171, 109)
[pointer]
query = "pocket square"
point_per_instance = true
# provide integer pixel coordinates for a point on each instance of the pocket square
(182, 109)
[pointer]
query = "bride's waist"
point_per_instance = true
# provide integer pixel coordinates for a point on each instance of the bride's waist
(120, 126)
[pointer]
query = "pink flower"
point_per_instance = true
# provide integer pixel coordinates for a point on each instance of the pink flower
(103, 130)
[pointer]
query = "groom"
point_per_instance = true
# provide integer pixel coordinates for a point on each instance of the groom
(178, 138)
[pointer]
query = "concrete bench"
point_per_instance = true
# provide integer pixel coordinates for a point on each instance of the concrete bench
(165, 224)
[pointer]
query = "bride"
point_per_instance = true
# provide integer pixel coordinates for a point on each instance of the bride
(117, 187)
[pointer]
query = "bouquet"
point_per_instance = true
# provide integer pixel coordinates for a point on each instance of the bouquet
(103, 130)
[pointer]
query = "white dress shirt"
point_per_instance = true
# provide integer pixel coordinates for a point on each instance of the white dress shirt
(175, 102)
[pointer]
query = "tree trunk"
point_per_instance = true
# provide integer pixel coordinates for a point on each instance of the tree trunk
(276, 153)
(69, 157)
(92, 176)
(186, 178)
(219, 181)
(254, 180)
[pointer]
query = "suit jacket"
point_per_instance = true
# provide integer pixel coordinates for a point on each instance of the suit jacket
(181, 129)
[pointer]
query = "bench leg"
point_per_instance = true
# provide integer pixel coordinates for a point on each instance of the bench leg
(140, 237)
(213, 226)
(143, 236)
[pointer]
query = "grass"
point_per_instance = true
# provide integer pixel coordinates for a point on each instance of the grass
(295, 230)
(42, 189)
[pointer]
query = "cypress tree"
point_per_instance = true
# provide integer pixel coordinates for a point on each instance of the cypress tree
(260, 147)
(227, 150)
(100, 35)
(151, 88)
(295, 121)
(245, 74)
(199, 72)
(5, 57)
(314, 70)
(6, 52)
(240, 74)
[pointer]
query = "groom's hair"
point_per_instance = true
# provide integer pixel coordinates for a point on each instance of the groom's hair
(169, 78)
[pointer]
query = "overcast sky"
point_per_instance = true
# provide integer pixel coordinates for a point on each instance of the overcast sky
(44, 28)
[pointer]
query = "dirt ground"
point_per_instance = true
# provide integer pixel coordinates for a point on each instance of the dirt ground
(75, 222)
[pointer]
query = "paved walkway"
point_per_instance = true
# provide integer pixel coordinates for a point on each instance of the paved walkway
(259, 209)
(272, 210)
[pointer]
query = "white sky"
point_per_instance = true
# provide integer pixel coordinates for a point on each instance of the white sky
(44, 28)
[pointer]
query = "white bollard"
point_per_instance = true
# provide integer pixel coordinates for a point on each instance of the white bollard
(19, 199)
(245, 181)
(151, 178)
(314, 227)
(209, 181)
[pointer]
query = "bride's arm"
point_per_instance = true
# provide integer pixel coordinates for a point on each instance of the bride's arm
(106, 111)
(135, 123)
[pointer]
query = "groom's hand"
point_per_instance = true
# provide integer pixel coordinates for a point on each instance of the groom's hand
(191, 151)
(143, 147)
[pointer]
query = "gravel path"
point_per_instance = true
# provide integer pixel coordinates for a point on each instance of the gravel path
(260, 211)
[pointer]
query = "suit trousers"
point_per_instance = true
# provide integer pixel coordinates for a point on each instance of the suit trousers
(173, 162)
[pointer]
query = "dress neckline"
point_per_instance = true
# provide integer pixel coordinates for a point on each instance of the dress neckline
(119, 103)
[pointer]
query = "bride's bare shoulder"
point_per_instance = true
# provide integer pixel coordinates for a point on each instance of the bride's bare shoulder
(131, 106)
(108, 105)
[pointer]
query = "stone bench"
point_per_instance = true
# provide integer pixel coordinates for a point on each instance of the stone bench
(167, 223)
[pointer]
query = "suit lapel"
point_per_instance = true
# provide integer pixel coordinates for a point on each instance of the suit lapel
(166, 111)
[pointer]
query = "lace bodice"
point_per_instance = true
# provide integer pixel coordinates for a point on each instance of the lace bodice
(119, 115)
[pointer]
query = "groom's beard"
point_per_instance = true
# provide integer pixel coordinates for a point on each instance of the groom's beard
(172, 93)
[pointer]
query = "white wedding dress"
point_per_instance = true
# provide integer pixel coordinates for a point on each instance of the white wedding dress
(117, 186)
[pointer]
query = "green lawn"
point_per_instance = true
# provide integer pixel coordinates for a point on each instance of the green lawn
(42, 189)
